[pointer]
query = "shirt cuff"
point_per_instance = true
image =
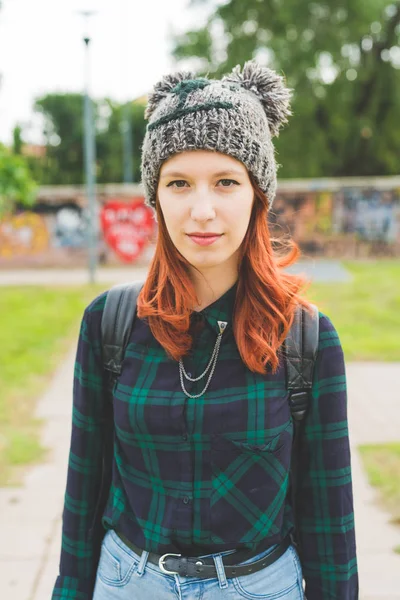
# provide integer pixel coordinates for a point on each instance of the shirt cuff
(72, 588)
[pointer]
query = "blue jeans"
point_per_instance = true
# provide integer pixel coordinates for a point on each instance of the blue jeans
(123, 575)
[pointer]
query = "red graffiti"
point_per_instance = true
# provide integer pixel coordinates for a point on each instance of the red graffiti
(127, 227)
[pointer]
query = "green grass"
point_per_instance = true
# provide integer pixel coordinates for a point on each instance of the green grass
(366, 312)
(382, 464)
(38, 326)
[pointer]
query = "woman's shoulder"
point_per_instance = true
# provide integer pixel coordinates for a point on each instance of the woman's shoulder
(91, 320)
(327, 330)
(329, 344)
(93, 314)
(97, 304)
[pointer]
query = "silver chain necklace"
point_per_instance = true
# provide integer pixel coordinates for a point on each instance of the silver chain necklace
(211, 365)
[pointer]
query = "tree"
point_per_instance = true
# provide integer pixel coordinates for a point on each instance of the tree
(110, 141)
(342, 60)
(16, 182)
(63, 131)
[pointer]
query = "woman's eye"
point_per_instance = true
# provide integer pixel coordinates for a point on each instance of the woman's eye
(177, 183)
(227, 182)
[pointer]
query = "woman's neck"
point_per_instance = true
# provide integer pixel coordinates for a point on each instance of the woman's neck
(210, 287)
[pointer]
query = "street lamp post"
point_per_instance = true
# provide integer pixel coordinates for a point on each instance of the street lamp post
(127, 142)
(90, 162)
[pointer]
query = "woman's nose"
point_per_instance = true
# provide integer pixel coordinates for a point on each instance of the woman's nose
(202, 209)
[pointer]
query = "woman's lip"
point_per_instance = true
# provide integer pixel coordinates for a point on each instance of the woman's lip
(205, 234)
(204, 240)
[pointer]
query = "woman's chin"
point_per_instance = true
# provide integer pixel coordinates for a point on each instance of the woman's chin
(205, 262)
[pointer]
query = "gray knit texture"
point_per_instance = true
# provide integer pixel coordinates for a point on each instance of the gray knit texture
(237, 115)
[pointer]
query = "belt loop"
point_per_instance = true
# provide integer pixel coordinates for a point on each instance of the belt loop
(142, 563)
(219, 565)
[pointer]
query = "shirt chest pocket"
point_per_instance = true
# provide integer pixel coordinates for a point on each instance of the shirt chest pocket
(248, 488)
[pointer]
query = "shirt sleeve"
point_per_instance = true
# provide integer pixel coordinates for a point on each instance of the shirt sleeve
(81, 525)
(325, 500)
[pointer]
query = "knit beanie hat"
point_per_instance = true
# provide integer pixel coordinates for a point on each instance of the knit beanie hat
(237, 115)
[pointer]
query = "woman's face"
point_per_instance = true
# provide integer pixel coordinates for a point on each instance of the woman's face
(203, 192)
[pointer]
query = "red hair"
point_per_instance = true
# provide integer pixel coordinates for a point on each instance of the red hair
(266, 296)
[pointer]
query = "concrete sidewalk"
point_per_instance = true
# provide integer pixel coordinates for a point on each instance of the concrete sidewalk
(321, 270)
(30, 517)
(70, 276)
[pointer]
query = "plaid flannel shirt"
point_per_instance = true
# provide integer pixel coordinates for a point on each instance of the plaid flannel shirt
(197, 476)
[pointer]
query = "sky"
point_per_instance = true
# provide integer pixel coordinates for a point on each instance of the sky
(42, 51)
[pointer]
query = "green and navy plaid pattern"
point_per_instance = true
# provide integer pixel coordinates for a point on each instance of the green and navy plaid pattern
(196, 476)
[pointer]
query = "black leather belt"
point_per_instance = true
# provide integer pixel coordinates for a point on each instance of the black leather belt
(204, 568)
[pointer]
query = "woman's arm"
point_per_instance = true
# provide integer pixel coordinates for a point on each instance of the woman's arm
(326, 518)
(80, 531)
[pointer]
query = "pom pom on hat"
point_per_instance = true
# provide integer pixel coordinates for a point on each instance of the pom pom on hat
(163, 88)
(270, 89)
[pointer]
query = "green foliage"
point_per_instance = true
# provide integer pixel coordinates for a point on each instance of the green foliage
(338, 57)
(63, 131)
(110, 141)
(64, 134)
(16, 182)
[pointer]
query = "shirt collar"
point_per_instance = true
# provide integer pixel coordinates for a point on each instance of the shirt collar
(220, 310)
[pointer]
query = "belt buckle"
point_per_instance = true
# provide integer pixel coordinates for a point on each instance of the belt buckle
(161, 563)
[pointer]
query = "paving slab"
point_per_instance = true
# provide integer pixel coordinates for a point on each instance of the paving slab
(374, 408)
(60, 277)
(322, 270)
(30, 516)
(376, 537)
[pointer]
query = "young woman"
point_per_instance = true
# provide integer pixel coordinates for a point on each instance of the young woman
(202, 425)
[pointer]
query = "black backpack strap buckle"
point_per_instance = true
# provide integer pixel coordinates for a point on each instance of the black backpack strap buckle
(298, 402)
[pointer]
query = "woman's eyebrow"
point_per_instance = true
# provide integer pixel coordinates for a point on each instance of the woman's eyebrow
(228, 172)
(219, 174)
(172, 174)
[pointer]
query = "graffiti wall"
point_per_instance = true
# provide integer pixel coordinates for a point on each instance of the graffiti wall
(352, 221)
(348, 221)
(55, 232)
(23, 234)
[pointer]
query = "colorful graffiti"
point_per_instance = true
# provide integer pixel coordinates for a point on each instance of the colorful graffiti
(69, 228)
(371, 214)
(350, 221)
(23, 234)
(127, 227)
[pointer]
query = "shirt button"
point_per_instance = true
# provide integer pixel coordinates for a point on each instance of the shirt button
(189, 374)
(186, 500)
(184, 437)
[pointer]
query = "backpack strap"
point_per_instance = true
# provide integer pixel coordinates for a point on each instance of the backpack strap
(301, 346)
(116, 325)
(300, 351)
